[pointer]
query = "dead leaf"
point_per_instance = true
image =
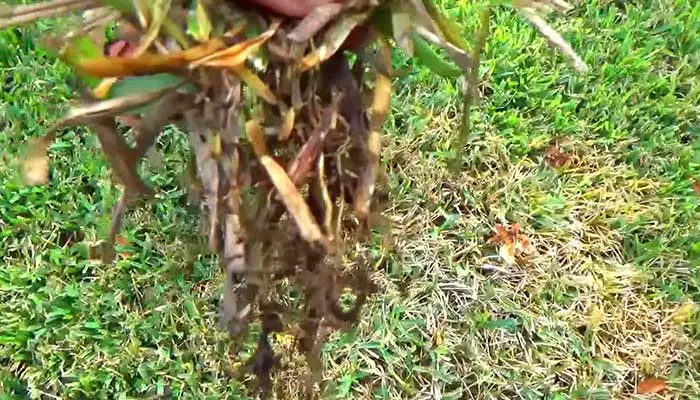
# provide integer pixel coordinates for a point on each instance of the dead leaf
(696, 185)
(513, 244)
(208, 173)
(110, 107)
(556, 157)
(122, 241)
(651, 385)
(35, 165)
(158, 13)
(291, 198)
(314, 22)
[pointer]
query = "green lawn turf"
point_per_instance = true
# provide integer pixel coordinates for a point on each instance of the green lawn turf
(608, 300)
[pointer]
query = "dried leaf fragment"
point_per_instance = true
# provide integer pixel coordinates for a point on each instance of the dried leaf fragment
(513, 244)
(308, 154)
(556, 158)
(110, 107)
(651, 385)
(159, 12)
(696, 185)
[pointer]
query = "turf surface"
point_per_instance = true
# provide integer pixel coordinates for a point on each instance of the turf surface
(601, 171)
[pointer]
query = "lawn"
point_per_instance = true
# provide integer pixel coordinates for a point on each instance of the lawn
(601, 171)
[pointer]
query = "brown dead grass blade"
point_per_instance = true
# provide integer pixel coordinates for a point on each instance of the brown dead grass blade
(291, 198)
(334, 38)
(287, 124)
(236, 54)
(119, 155)
(381, 99)
(254, 82)
(308, 154)
(554, 38)
(110, 107)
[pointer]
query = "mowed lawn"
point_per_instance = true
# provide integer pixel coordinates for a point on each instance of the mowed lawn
(601, 171)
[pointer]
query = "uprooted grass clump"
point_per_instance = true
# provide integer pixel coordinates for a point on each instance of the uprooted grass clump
(284, 129)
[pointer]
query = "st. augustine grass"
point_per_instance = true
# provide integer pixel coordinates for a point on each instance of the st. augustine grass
(610, 298)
